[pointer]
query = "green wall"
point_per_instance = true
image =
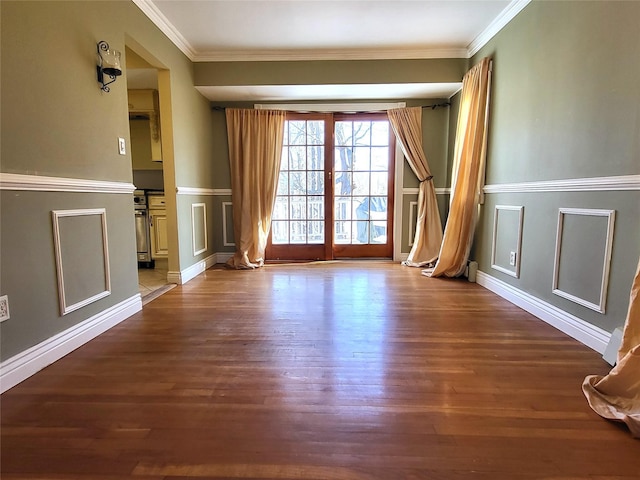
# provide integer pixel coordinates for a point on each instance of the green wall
(57, 122)
(565, 104)
(330, 72)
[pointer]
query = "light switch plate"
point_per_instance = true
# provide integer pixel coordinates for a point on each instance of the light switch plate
(122, 148)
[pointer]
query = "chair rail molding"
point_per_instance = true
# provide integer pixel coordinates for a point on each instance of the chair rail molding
(203, 191)
(41, 183)
(589, 184)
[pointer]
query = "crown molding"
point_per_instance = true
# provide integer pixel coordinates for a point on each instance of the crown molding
(330, 54)
(160, 21)
(508, 14)
(40, 183)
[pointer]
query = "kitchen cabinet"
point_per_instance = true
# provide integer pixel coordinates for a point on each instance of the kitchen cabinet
(158, 226)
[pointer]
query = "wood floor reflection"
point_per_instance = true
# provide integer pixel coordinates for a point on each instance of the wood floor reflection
(339, 370)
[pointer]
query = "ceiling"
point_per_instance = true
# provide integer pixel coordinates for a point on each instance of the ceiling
(263, 30)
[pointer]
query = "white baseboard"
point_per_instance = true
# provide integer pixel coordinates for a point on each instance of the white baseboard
(193, 271)
(586, 333)
(20, 367)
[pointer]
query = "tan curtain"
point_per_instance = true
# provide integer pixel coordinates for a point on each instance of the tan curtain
(468, 172)
(255, 150)
(616, 396)
(407, 125)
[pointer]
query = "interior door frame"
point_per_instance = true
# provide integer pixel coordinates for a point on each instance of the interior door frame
(364, 107)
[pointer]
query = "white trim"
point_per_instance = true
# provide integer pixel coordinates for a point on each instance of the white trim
(591, 184)
(40, 183)
(191, 272)
(272, 55)
(225, 233)
(193, 227)
(516, 272)
(56, 215)
(586, 333)
(166, 27)
(416, 191)
(330, 107)
(398, 179)
(21, 366)
(611, 217)
(203, 191)
(413, 212)
(508, 14)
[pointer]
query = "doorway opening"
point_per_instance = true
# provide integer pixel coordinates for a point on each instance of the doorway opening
(147, 158)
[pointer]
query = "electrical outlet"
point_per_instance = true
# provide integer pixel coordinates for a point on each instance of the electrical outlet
(512, 259)
(4, 308)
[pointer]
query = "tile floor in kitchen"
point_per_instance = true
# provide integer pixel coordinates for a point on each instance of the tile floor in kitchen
(150, 280)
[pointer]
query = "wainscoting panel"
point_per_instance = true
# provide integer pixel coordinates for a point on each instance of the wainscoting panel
(506, 246)
(413, 220)
(227, 225)
(583, 255)
(82, 257)
(199, 227)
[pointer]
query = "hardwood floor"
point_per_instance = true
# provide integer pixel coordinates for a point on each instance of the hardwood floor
(339, 370)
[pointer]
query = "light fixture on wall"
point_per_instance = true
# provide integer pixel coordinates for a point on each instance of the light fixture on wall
(108, 65)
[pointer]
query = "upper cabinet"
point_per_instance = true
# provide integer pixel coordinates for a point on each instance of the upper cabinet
(145, 104)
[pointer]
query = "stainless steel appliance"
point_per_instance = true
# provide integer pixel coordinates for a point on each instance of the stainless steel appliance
(143, 237)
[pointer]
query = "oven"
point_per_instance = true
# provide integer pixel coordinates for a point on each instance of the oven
(143, 237)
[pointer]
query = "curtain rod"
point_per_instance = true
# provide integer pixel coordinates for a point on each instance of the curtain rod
(219, 108)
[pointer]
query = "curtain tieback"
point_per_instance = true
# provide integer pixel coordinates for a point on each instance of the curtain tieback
(430, 177)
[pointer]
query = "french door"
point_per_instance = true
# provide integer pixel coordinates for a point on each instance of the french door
(335, 189)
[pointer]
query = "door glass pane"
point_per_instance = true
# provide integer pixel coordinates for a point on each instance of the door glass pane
(297, 158)
(342, 208)
(379, 183)
(297, 133)
(315, 132)
(279, 231)
(315, 183)
(281, 209)
(343, 133)
(297, 183)
(298, 232)
(380, 133)
(315, 231)
(361, 182)
(343, 183)
(283, 183)
(315, 208)
(380, 158)
(299, 214)
(360, 232)
(362, 160)
(362, 133)
(342, 232)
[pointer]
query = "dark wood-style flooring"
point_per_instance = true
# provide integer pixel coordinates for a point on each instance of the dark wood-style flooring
(339, 370)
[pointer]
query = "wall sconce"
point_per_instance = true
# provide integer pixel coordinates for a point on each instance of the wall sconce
(108, 65)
